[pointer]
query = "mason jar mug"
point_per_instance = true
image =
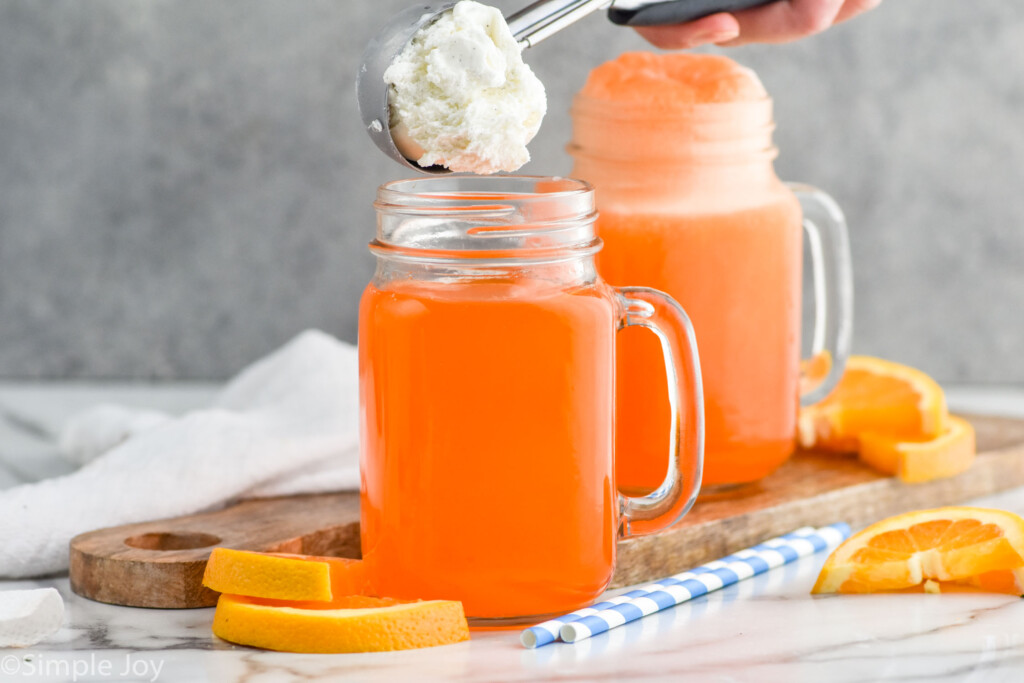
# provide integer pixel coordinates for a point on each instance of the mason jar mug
(487, 347)
(690, 204)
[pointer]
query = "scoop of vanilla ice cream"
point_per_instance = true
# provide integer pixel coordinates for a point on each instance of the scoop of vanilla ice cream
(461, 95)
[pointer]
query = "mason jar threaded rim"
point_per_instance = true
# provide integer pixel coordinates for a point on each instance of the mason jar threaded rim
(762, 107)
(713, 132)
(495, 218)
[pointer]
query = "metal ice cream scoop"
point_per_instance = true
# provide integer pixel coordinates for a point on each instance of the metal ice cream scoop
(529, 26)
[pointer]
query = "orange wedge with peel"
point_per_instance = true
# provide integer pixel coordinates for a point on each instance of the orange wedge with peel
(814, 370)
(353, 624)
(874, 396)
(950, 548)
(282, 576)
(946, 455)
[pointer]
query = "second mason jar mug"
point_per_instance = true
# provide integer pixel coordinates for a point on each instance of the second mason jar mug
(487, 363)
(690, 204)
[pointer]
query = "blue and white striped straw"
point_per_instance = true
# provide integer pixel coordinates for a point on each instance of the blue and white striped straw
(689, 585)
(548, 631)
(674, 590)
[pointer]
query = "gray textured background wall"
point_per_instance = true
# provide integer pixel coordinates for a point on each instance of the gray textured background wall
(184, 184)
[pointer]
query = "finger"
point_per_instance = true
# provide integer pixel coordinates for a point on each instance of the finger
(711, 29)
(852, 8)
(785, 21)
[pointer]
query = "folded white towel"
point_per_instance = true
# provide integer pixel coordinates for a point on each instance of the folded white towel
(286, 424)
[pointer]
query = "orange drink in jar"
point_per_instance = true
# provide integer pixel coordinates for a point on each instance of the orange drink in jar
(679, 149)
(487, 370)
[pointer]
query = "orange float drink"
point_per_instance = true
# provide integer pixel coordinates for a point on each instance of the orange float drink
(487, 351)
(746, 350)
(678, 147)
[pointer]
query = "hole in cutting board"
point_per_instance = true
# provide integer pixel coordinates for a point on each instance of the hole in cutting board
(172, 540)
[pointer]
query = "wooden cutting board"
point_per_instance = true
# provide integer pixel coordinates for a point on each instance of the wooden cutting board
(160, 564)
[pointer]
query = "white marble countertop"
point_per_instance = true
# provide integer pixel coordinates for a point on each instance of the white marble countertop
(762, 630)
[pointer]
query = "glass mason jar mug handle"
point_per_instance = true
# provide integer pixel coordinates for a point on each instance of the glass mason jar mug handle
(832, 274)
(645, 307)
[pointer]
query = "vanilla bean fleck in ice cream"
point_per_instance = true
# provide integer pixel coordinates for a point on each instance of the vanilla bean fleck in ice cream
(461, 95)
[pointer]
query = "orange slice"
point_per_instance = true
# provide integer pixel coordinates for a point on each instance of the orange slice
(282, 576)
(876, 396)
(814, 370)
(931, 550)
(354, 624)
(918, 461)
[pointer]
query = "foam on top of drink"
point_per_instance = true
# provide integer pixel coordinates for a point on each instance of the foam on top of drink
(673, 79)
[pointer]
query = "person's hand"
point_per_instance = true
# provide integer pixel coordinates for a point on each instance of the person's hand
(778, 22)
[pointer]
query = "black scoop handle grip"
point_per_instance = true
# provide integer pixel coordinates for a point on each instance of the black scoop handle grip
(675, 11)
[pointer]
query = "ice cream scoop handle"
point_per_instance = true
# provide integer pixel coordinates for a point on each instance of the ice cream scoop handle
(633, 13)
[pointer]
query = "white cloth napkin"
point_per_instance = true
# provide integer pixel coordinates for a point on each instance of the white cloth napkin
(286, 424)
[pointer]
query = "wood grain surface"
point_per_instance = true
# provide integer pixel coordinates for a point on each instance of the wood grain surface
(160, 563)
